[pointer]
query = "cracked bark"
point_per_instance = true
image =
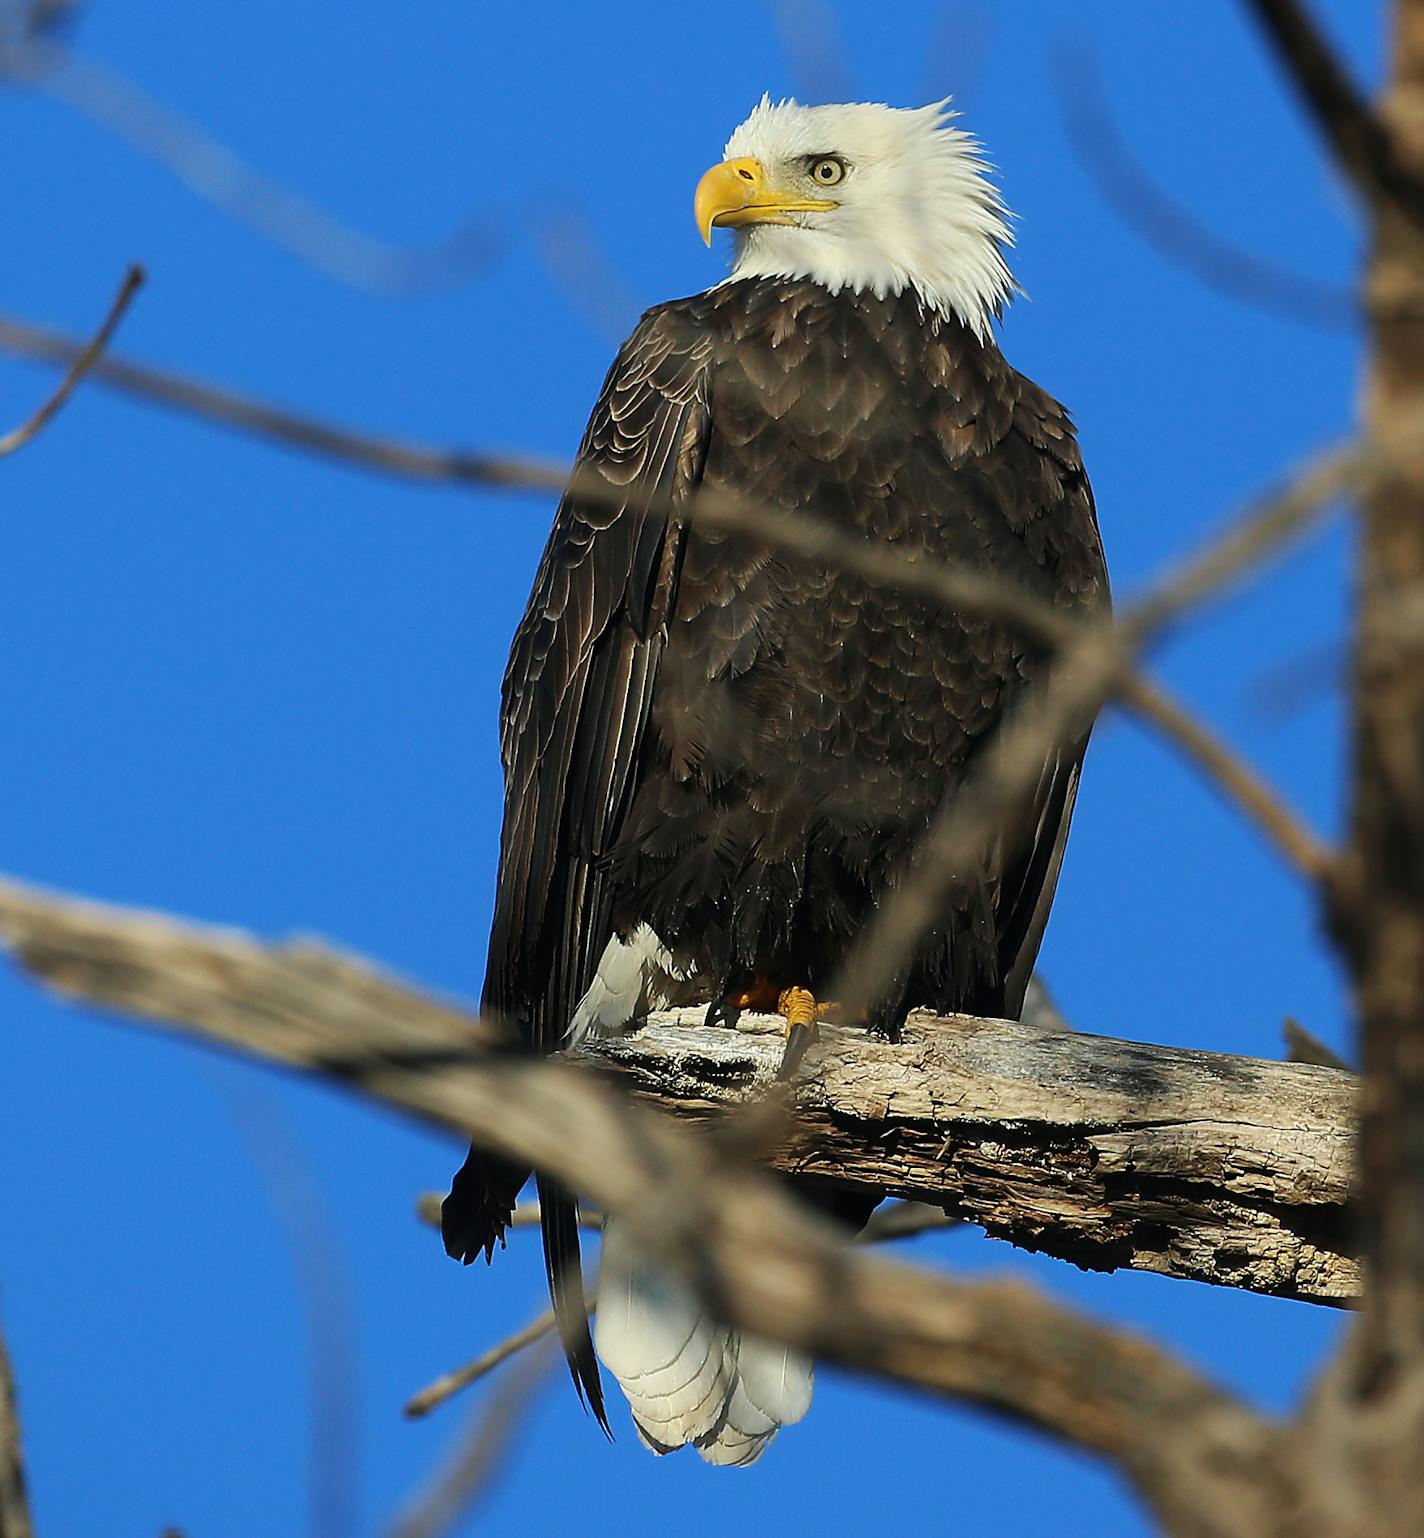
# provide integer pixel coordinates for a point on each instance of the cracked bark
(1103, 1152)
(1107, 1153)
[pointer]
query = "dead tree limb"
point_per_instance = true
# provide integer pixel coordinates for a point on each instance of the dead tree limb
(1107, 1153)
(1102, 1152)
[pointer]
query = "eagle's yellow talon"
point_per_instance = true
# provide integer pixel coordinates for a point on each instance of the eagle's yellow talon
(799, 1007)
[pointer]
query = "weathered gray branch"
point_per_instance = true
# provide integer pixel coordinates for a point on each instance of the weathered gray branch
(1107, 1153)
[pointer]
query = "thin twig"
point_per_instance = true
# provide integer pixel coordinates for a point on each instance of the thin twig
(313, 1240)
(579, 266)
(436, 1393)
(246, 414)
(1169, 226)
(896, 1221)
(525, 1215)
(478, 1459)
(209, 169)
(1303, 1046)
(84, 361)
(1264, 530)
(1232, 775)
(899, 1220)
(14, 1500)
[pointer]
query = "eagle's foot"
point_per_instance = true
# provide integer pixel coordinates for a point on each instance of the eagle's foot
(721, 1015)
(802, 1012)
(800, 1009)
(761, 998)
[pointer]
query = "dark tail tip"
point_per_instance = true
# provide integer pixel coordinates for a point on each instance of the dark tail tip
(559, 1221)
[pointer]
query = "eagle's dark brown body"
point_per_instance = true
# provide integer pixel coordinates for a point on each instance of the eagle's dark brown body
(738, 747)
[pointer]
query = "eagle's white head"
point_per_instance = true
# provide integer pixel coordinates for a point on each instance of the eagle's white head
(864, 196)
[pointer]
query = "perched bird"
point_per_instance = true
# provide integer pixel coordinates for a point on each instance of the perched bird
(717, 756)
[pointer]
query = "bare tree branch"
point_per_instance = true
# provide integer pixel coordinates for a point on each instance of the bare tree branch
(84, 361)
(449, 1384)
(1169, 226)
(1235, 778)
(1087, 670)
(1372, 1402)
(759, 1260)
(525, 1214)
(246, 414)
(1106, 1152)
(1361, 142)
(14, 1501)
(214, 173)
(1262, 531)
(477, 1460)
(1270, 525)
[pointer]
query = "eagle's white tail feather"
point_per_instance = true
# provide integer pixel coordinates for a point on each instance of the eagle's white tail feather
(674, 1364)
(687, 1379)
(773, 1389)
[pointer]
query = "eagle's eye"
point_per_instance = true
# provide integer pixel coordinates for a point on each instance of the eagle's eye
(827, 170)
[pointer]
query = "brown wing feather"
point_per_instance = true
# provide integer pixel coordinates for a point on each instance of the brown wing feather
(575, 707)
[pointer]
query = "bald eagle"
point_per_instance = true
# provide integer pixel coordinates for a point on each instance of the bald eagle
(719, 757)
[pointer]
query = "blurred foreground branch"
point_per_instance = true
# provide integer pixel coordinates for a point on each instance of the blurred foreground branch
(755, 1255)
(14, 1502)
(1358, 136)
(1185, 238)
(1096, 662)
(208, 168)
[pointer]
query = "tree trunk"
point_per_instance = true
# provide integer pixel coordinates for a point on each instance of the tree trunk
(1370, 1415)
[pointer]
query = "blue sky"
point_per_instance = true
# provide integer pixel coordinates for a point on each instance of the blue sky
(259, 689)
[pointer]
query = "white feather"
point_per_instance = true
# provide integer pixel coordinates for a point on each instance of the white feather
(773, 1389)
(688, 1380)
(675, 1365)
(916, 208)
(618, 991)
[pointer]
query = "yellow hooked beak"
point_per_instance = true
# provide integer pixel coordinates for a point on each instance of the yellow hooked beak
(736, 192)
